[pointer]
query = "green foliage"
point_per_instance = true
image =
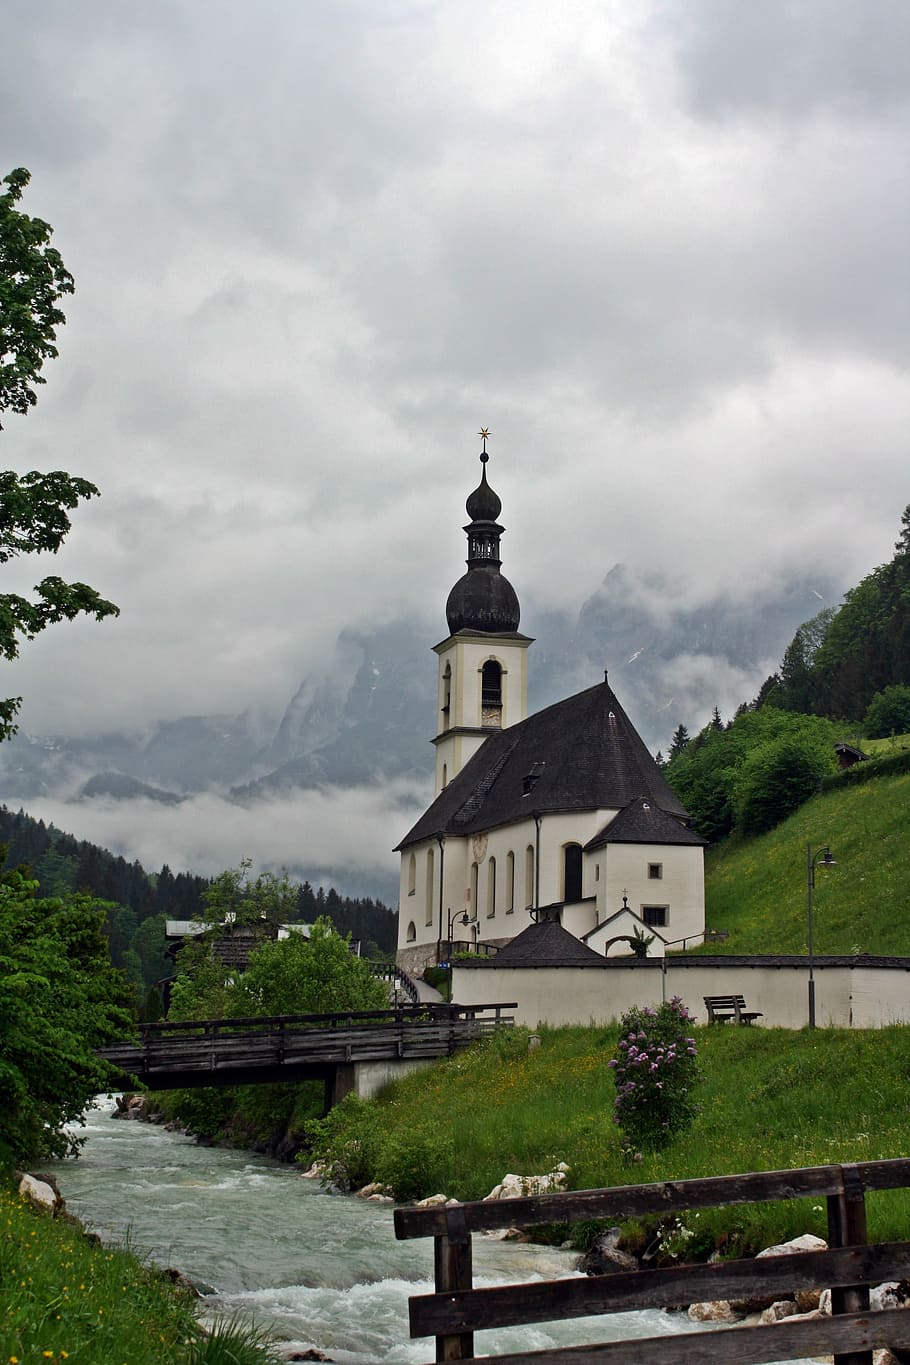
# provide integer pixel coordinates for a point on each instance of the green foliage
(33, 506)
(679, 742)
(877, 765)
(348, 1142)
(315, 975)
(236, 897)
(59, 999)
(655, 1070)
(755, 772)
(417, 1162)
(888, 712)
(776, 778)
(67, 1299)
(32, 280)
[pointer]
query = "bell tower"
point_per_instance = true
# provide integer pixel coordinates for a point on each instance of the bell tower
(483, 663)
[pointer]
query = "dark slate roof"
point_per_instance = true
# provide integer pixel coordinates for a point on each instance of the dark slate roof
(580, 754)
(643, 822)
(546, 944)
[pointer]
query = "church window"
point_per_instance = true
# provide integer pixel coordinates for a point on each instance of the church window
(412, 875)
(446, 697)
(431, 871)
(655, 871)
(445, 775)
(572, 870)
(491, 694)
(412, 932)
(529, 876)
(491, 888)
(472, 894)
(655, 915)
(510, 882)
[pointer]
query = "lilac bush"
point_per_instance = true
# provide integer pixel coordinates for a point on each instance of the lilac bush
(655, 1070)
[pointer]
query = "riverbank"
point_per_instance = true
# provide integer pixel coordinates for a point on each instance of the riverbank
(69, 1298)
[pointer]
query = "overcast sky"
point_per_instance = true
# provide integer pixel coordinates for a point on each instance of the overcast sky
(660, 250)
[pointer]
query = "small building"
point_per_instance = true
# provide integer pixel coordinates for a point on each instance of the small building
(564, 810)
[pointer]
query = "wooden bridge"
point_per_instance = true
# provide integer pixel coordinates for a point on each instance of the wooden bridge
(360, 1050)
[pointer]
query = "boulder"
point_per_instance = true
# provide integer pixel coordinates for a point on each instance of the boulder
(718, 1311)
(807, 1242)
(893, 1294)
(604, 1257)
(40, 1193)
(777, 1311)
(367, 1191)
(432, 1200)
(521, 1186)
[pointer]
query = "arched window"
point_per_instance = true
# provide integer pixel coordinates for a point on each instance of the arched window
(473, 891)
(491, 694)
(412, 932)
(412, 875)
(491, 888)
(445, 775)
(446, 697)
(572, 856)
(529, 876)
(431, 884)
(510, 882)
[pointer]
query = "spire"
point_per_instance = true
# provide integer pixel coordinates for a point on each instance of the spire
(483, 599)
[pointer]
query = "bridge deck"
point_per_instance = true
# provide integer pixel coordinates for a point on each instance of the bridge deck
(294, 1047)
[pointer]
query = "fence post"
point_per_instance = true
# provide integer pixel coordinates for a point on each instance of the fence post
(846, 1228)
(453, 1260)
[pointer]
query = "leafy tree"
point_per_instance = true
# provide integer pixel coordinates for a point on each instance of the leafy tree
(776, 778)
(33, 506)
(59, 999)
(315, 975)
(888, 713)
(235, 897)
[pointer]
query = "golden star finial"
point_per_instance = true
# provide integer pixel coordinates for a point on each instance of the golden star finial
(484, 432)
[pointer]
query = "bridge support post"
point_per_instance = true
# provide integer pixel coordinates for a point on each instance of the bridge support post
(341, 1083)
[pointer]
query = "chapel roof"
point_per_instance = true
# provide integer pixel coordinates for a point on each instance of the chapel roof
(546, 944)
(643, 822)
(579, 754)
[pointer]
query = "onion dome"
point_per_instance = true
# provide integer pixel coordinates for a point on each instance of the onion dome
(483, 599)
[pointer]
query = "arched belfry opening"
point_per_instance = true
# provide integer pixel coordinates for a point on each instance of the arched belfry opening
(491, 695)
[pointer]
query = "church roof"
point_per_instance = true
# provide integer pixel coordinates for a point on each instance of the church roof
(579, 754)
(643, 822)
(546, 944)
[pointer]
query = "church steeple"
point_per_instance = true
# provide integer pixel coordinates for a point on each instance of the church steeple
(483, 599)
(483, 663)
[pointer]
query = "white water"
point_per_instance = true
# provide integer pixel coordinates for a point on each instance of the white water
(317, 1269)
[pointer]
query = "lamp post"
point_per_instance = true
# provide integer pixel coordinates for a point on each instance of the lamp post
(821, 858)
(464, 918)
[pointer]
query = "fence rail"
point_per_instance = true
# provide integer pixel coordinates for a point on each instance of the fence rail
(848, 1268)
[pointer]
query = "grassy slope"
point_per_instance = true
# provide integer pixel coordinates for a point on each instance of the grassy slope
(756, 888)
(771, 1098)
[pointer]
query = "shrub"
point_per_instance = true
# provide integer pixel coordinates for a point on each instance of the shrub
(348, 1142)
(416, 1162)
(888, 713)
(654, 1070)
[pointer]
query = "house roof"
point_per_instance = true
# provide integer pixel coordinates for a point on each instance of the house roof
(643, 822)
(579, 754)
(546, 944)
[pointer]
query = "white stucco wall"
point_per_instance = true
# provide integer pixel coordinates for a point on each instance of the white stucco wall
(846, 997)
(681, 887)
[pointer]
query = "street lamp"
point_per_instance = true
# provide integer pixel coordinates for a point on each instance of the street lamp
(463, 918)
(821, 858)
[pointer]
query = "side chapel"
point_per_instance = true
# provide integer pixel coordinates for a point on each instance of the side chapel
(561, 816)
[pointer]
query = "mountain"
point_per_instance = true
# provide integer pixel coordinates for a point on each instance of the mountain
(369, 713)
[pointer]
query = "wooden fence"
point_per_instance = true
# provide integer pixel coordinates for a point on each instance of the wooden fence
(456, 1310)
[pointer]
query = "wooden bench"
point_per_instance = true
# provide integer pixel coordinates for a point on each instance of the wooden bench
(722, 1008)
(848, 1268)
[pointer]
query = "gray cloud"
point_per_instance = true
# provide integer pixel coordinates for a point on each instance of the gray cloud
(662, 255)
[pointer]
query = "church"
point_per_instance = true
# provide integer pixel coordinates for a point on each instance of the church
(560, 817)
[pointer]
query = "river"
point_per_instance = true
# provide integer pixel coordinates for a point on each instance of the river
(318, 1269)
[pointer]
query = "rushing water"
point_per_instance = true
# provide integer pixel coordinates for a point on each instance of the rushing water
(317, 1269)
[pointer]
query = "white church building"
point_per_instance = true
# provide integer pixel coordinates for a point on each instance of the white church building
(560, 817)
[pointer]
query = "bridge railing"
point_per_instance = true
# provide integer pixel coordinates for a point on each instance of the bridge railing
(492, 1017)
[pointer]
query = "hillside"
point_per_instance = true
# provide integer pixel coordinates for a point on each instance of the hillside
(756, 889)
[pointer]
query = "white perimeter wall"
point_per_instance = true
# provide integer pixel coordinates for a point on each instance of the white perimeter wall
(845, 996)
